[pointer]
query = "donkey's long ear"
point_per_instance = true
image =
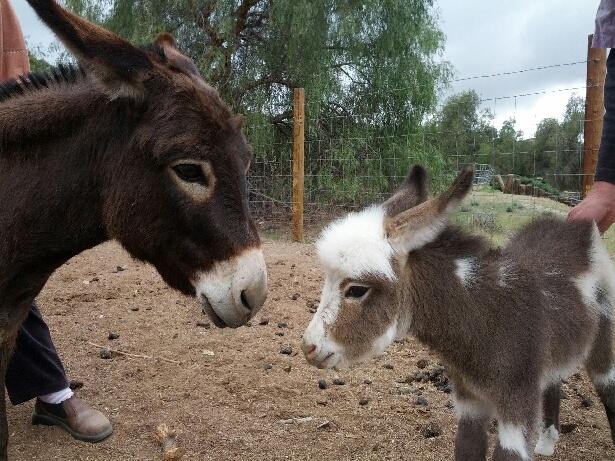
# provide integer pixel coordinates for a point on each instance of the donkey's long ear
(120, 66)
(414, 228)
(411, 193)
(169, 54)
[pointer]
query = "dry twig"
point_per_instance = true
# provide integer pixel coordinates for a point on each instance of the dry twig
(137, 356)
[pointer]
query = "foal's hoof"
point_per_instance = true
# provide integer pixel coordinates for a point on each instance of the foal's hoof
(547, 441)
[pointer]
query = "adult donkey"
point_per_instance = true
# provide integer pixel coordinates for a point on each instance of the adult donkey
(133, 146)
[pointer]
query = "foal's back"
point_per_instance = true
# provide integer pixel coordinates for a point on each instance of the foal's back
(574, 275)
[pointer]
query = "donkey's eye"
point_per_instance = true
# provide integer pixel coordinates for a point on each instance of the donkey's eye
(190, 172)
(356, 291)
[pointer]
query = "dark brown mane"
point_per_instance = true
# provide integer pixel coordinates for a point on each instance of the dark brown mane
(34, 81)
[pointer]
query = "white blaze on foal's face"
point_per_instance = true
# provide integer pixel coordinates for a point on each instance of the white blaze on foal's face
(357, 315)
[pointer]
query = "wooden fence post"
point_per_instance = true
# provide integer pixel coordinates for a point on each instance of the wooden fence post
(594, 112)
(298, 162)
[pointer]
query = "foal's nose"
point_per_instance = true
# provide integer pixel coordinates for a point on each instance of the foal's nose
(309, 350)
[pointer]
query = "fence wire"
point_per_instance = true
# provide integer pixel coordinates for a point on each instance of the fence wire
(354, 160)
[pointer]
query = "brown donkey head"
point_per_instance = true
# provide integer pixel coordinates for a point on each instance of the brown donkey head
(176, 193)
(364, 302)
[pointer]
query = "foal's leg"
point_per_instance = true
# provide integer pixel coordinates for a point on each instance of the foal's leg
(473, 416)
(601, 369)
(517, 424)
(549, 436)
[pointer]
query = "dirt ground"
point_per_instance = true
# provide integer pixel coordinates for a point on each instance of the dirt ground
(233, 390)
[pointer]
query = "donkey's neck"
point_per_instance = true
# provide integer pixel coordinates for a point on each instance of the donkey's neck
(56, 147)
(446, 281)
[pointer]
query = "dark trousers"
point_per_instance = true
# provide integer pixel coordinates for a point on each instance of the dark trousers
(35, 368)
(605, 170)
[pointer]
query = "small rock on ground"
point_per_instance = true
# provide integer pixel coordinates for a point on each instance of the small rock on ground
(75, 385)
(106, 353)
(286, 350)
(322, 384)
(431, 430)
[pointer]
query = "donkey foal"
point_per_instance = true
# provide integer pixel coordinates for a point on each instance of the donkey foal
(510, 323)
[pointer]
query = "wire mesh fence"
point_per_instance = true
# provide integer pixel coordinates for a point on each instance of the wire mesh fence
(356, 159)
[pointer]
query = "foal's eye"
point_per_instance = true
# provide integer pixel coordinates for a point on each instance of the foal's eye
(356, 291)
(190, 172)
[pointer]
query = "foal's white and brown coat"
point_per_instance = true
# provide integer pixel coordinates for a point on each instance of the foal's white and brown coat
(510, 323)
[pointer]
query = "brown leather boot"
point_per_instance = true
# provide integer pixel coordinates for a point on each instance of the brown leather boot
(74, 416)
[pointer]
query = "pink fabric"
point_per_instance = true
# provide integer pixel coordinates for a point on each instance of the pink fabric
(13, 54)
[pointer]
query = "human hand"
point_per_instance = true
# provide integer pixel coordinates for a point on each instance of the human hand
(599, 206)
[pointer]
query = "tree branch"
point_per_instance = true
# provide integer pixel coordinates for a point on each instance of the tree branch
(242, 16)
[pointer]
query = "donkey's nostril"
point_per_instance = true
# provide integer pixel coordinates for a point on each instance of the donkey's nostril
(244, 300)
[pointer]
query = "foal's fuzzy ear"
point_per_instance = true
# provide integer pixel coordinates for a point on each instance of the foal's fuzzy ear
(411, 193)
(411, 229)
(119, 66)
(169, 54)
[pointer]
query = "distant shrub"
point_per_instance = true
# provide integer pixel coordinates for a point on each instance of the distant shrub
(486, 222)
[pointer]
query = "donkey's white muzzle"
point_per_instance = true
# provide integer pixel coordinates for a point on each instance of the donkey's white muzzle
(232, 291)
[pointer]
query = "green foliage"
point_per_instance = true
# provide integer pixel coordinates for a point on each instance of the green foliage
(38, 61)
(369, 70)
(372, 73)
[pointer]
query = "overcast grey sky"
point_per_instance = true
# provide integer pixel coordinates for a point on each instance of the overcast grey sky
(488, 37)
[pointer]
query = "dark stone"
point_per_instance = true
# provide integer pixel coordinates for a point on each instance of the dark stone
(431, 430)
(282, 325)
(339, 382)
(567, 428)
(388, 366)
(363, 402)
(75, 385)
(420, 400)
(422, 364)
(205, 325)
(264, 321)
(113, 336)
(286, 350)
(106, 353)
(322, 384)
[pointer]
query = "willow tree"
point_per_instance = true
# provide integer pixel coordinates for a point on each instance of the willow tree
(369, 67)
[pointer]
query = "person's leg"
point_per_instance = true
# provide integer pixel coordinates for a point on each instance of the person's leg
(36, 371)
